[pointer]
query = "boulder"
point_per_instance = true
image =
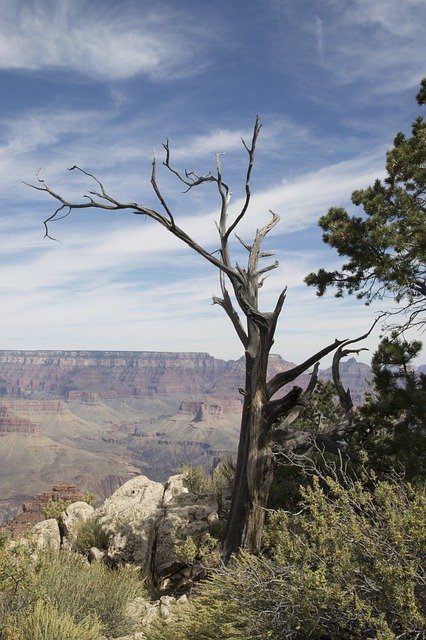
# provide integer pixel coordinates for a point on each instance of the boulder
(96, 555)
(131, 515)
(184, 516)
(174, 486)
(74, 514)
(46, 534)
(143, 613)
(149, 522)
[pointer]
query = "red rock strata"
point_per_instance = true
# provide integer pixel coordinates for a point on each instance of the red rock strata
(112, 374)
(33, 512)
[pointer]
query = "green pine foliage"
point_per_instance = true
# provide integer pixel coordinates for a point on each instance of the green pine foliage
(392, 422)
(386, 245)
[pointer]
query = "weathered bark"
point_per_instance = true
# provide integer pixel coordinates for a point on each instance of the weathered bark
(254, 458)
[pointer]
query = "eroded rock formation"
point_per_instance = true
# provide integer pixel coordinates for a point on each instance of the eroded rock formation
(147, 522)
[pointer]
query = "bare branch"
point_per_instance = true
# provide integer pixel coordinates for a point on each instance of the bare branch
(274, 409)
(276, 312)
(191, 179)
(255, 252)
(296, 411)
(250, 150)
(269, 267)
(90, 175)
(344, 396)
(53, 216)
(245, 244)
(111, 204)
(225, 196)
(298, 443)
(157, 190)
(226, 304)
(285, 377)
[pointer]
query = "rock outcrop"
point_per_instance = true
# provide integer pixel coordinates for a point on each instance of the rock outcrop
(130, 516)
(69, 520)
(46, 535)
(148, 525)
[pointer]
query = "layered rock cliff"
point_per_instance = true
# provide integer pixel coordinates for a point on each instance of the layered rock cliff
(115, 374)
(95, 418)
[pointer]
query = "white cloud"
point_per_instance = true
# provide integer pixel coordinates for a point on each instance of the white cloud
(106, 282)
(378, 41)
(100, 42)
(218, 141)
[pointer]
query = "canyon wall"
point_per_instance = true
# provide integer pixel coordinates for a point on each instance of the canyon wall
(96, 418)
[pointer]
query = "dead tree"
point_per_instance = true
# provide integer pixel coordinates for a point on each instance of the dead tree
(262, 406)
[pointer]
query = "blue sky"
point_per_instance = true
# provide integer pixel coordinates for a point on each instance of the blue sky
(100, 84)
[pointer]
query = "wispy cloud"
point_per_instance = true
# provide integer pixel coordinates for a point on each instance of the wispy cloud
(320, 36)
(106, 282)
(114, 44)
(379, 41)
(377, 44)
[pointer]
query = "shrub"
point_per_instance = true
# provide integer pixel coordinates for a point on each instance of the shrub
(45, 622)
(90, 498)
(89, 533)
(207, 552)
(218, 485)
(196, 479)
(78, 589)
(350, 566)
(18, 582)
(54, 508)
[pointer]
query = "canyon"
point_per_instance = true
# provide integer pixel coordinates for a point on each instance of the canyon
(95, 419)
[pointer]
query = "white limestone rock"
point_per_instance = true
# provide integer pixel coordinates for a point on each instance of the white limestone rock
(70, 518)
(131, 515)
(174, 486)
(46, 534)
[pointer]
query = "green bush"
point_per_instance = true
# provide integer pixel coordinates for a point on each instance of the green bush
(196, 479)
(218, 485)
(45, 622)
(78, 589)
(90, 498)
(18, 582)
(54, 508)
(349, 566)
(38, 590)
(89, 533)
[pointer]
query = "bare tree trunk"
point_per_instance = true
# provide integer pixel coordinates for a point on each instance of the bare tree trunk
(254, 468)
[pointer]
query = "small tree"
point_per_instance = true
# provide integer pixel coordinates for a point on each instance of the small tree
(264, 403)
(392, 422)
(386, 247)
